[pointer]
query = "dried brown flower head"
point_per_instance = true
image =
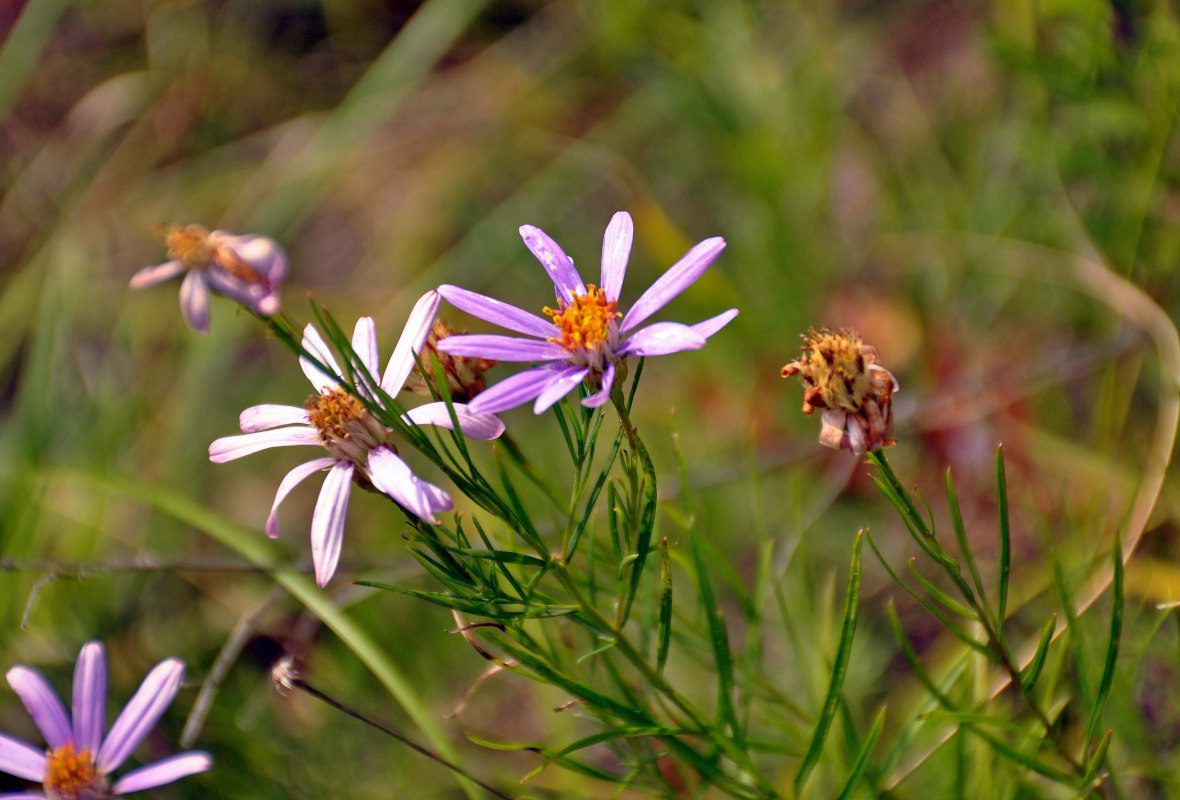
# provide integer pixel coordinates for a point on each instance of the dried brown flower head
(464, 376)
(841, 375)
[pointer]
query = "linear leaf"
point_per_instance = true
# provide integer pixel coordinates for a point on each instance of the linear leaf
(862, 758)
(1028, 678)
(1112, 643)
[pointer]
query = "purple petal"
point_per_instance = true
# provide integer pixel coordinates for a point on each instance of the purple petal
(562, 383)
(501, 348)
(150, 276)
(327, 521)
(43, 704)
(315, 344)
(228, 448)
(511, 392)
(496, 311)
(660, 339)
(411, 342)
(233, 287)
(90, 697)
(713, 324)
(616, 249)
(289, 482)
(22, 796)
(473, 426)
(600, 397)
(154, 695)
(262, 253)
(21, 760)
(559, 266)
(194, 301)
(679, 277)
(394, 477)
(364, 343)
(271, 415)
(166, 771)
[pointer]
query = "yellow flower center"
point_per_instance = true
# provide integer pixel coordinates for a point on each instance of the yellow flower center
(70, 775)
(190, 244)
(346, 427)
(584, 323)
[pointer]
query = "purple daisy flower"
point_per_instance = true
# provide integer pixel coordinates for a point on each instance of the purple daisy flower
(247, 269)
(79, 759)
(587, 335)
(358, 445)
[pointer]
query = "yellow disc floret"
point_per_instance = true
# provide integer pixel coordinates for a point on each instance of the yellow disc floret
(584, 323)
(71, 775)
(346, 427)
(191, 244)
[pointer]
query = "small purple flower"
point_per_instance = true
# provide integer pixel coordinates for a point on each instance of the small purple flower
(79, 760)
(247, 269)
(358, 445)
(587, 336)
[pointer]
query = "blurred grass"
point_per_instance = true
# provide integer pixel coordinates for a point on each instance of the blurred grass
(865, 163)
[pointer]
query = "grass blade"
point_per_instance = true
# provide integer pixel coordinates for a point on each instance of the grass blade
(1005, 542)
(862, 758)
(1112, 643)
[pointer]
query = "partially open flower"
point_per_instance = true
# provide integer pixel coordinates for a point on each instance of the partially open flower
(247, 269)
(841, 376)
(464, 376)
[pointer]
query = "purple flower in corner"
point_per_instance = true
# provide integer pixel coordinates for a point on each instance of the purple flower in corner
(79, 760)
(587, 335)
(358, 445)
(247, 269)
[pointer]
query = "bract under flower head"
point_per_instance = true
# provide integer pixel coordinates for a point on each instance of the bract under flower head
(79, 760)
(247, 269)
(840, 375)
(359, 448)
(587, 337)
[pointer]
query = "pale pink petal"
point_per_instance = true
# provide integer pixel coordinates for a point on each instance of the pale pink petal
(162, 772)
(150, 276)
(501, 348)
(473, 426)
(43, 704)
(327, 521)
(21, 760)
(262, 253)
(315, 344)
(22, 796)
(616, 249)
(600, 397)
(562, 383)
(228, 448)
(289, 482)
(271, 415)
(660, 339)
(411, 342)
(710, 326)
(194, 301)
(559, 266)
(364, 343)
(511, 392)
(496, 311)
(679, 277)
(90, 697)
(141, 713)
(394, 477)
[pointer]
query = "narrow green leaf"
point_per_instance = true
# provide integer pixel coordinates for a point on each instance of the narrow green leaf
(964, 547)
(1094, 766)
(951, 604)
(592, 501)
(1028, 678)
(1005, 541)
(664, 627)
(839, 669)
(1112, 642)
(862, 758)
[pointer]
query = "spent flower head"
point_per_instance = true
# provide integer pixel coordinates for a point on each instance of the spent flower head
(586, 335)
(247, 269)
(359, 447)
(841, 376)
(79, 760)
(464, 376)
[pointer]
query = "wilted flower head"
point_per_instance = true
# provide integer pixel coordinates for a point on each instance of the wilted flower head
(79, 760)
(841, 376)
(247, 269)
(587, 336)
(464, 376)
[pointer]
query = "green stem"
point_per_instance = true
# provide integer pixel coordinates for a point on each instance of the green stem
(647, 516)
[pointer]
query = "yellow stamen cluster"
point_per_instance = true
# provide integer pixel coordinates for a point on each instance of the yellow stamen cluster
(345, 426)
(834, 369)
(71, 775)
(584, 323)
(191, 244)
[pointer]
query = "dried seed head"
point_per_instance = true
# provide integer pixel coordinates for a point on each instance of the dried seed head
(841, 376)
(464, 376)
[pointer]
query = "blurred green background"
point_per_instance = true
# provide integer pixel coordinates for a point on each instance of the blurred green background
(924, 171)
